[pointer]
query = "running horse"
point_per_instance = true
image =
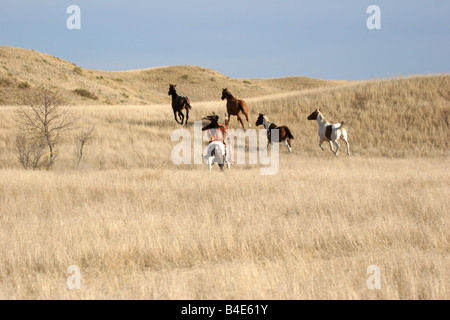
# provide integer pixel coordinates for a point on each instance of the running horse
(235, 107)
(216, 151)
(179, 103)
(284, 133)
(330, 132)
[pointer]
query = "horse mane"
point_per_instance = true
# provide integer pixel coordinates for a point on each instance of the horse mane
(323, 118)
(228, 92)
(212, 118)
(172, 87)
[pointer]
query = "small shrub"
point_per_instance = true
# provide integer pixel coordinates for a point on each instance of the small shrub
(185, 77)
(86, 94)
(30, 151)
(78, 70)
(118, 80)
(246, 82)
(24, 85)
(5, 82)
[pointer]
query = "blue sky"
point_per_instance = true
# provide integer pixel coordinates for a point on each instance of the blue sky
(326, 39)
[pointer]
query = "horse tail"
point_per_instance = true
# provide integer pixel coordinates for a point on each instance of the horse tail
(289, 133)
(186, 101)
(241, 106)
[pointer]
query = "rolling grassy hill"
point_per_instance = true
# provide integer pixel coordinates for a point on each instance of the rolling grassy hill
(23, 70)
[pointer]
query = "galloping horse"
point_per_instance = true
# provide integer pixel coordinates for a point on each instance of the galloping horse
(235, 106)
(179, 103)
(330, 132)
(284, 134)
(216, 151)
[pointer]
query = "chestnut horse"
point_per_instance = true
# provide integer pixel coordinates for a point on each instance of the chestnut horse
(235, 106)
(179, 103)
(284, 134)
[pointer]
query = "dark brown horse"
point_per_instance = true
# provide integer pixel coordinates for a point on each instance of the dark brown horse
(179, 103)
(284, 134)
(235, 106)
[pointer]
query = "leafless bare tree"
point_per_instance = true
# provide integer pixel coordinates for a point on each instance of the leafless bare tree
(83, 139)
(42, 118)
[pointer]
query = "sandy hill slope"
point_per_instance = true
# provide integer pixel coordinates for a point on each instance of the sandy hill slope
(23, 70)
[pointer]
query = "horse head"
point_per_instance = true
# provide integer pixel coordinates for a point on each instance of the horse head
(313, 116)
(225, 93)
(172, 89)
(260, 119)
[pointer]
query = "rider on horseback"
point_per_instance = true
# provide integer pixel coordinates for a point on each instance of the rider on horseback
(217, 133)
(215, 130)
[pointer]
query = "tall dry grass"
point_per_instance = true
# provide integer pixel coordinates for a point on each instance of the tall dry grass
(140, 227)
(309, 232)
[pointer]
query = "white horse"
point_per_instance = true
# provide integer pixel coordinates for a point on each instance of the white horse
(330, 132)
(216, 152)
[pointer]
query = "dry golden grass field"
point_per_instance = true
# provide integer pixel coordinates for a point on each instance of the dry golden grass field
(141, 227)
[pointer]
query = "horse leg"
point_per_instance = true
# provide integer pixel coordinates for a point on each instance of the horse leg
(344, 137)
(227, 158)
(348, 146)
(320, 144)
(175, 115)
(287, 145)
(187, 116)
(331, 147)
(210, 160)
(240, 120)
(248, 122)
(337, 147)
(181, 115)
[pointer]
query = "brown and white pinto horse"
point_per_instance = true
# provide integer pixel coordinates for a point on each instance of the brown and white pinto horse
(330, 132)
(179, 103)
(235, 106)
(284, 134)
